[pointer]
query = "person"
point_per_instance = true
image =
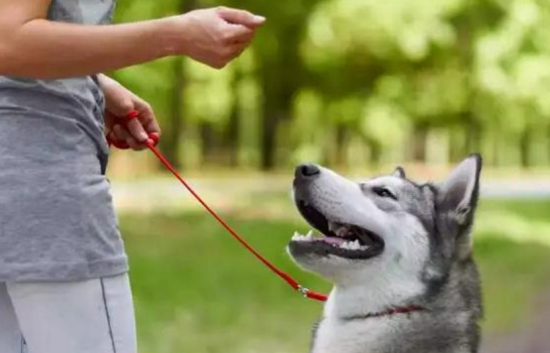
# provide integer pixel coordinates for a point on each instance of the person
(64, 286)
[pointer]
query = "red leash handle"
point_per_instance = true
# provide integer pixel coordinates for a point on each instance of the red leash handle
(151, 144)
(123, 145)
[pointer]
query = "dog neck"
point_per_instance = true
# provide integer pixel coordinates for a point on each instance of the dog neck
(371, 300)
(355, 317)
(396, 310)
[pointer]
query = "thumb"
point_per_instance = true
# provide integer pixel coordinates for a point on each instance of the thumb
(240, 17)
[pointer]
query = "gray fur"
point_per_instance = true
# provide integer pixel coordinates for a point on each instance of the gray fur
(449, 279)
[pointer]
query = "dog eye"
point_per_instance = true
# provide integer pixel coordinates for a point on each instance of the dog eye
(384, 192)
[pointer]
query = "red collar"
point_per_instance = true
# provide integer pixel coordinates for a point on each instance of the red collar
(392, 311)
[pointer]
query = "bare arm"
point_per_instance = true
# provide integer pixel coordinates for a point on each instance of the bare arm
(31, 46)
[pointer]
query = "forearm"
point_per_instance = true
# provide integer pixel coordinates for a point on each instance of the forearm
(48, 50)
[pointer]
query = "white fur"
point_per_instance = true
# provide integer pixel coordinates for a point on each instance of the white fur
(350, 337)
(405, 253)
(365, 286)
(378, 286)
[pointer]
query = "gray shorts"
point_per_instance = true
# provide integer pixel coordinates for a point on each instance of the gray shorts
(94, 316)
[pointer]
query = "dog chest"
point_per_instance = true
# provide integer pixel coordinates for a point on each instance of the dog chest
(357, 336)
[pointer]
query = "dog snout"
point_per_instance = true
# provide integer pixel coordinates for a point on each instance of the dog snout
(305, 171)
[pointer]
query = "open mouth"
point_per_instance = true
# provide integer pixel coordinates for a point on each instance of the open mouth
(340, 239)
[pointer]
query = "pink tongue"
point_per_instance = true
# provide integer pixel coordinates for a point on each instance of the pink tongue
(332, 240)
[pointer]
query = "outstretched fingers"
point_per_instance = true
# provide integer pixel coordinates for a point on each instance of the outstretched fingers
(240, 17)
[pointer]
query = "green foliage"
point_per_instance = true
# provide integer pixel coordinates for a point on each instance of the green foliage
(332, 78)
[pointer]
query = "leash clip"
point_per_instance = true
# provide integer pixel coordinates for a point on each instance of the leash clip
(304, 291)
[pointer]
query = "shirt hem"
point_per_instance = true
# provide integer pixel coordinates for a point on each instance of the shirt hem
(63, 272)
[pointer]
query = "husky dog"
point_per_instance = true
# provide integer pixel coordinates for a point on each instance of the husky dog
(400, 257)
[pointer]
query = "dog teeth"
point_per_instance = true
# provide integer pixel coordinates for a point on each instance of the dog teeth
(352, 245)
(299, 237)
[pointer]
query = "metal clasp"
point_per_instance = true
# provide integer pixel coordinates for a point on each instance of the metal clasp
(303, 291)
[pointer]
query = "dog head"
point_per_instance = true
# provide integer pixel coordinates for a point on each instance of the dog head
(388, 228)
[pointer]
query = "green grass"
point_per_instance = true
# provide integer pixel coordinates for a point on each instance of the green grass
(513, 253)
(197, 291)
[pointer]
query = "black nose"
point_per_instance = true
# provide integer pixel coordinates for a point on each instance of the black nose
(307, 170)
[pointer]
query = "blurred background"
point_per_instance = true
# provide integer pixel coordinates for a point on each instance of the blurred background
(360, 86)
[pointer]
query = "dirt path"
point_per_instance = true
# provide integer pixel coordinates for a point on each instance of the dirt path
(534, 338)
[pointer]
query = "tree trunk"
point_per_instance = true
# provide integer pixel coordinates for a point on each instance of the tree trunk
(456, 148)
(208, 142)
(281, 77)
(473, 136)
(269, 132)
(275, 107)
(496, 145)
(375, 153)
(419, 143)
(176, 123)
(232, 137)
(232, 134)
(524, 147)
(176, 118)
(342, 134)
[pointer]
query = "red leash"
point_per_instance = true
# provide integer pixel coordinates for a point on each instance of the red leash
(151, 144)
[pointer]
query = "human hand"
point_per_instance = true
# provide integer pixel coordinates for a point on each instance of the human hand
(213, 36)
(119, 103)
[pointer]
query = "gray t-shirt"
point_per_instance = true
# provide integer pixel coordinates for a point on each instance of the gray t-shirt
(57, 221)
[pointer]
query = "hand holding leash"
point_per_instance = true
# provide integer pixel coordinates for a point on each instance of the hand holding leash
(152, 140)
(151, 144)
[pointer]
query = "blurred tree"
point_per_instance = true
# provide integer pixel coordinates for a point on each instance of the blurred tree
(362, 81)
(176, 117)
(280, 67)
(162, 82)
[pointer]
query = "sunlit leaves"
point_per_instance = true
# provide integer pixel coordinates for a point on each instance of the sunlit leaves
(371, 71)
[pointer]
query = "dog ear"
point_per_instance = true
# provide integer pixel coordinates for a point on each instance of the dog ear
(399, 173)
(459, 193)
(457, 200)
